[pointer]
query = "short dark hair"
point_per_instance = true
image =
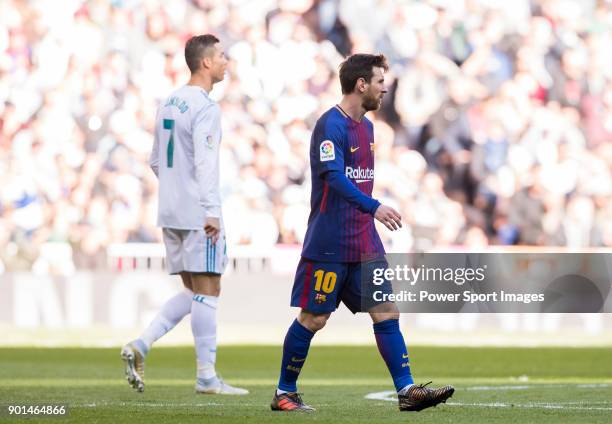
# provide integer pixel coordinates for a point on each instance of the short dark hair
(359, 66)
(195, 49)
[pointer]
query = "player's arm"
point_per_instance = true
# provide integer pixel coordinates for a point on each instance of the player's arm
(338, 182)
(206, 156)
(329, 141)
(347, 190)
(330, 165)
(154, 158)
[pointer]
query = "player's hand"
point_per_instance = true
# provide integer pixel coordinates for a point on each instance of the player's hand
(388, 216)
(212, 228)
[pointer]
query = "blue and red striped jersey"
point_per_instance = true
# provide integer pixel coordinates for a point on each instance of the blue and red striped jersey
(341, 223)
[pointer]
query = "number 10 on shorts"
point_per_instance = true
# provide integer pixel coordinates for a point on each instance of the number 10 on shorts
(325, 281)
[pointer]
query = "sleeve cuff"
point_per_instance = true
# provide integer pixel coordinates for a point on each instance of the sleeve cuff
(212, 212)
(374, 207)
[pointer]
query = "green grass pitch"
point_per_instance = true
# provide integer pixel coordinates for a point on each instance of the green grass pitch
(494, 385)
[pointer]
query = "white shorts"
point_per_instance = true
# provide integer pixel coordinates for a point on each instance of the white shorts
(193, 251)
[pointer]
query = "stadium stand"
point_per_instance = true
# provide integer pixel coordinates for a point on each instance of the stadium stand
(496, 129)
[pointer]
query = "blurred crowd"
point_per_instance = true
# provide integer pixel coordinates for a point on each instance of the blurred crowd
(496, 129)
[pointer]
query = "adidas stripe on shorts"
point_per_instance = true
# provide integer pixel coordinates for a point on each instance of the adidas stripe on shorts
(193, 251)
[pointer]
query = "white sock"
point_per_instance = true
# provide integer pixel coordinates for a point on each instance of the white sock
(170, 314)
(405, 389)
(204, 329)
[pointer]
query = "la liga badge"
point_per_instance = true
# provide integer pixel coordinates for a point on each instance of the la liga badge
(326, 151)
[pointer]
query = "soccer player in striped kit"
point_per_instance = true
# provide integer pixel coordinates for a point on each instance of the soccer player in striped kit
(341, 235)
(185, 158)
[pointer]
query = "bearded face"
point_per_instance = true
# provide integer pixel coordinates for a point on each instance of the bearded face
(373, 95)
(371, 101)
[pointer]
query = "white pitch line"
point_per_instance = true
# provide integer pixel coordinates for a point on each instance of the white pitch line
(582, 402)
(169, 405)
(517, 387)
(496, 388)
(387, 395)
(530, 405)
(155, 405)
(391, 396)
(534, 386)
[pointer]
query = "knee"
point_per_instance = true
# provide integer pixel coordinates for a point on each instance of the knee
(384, 316)
(188, 286)
(207, 291)
(186, 278)
(209, 285)
(384, 312)
(314, 322)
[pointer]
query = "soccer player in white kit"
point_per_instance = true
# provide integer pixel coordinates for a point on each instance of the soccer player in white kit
(185, 158)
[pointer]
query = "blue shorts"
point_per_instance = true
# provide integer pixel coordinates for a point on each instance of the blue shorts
(319, 287)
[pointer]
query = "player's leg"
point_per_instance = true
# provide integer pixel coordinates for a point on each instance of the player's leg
(358, 296)
(171, 313)
(208, 262)
(315, 290)
(391, 344)
(296, 346)
(295, 351)
(207, 288)
(204, 324)
(392, 347)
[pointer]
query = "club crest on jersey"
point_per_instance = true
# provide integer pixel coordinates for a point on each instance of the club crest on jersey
(209, 141)
(320, 298)
(326, 151)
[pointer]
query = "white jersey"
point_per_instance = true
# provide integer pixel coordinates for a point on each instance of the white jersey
(185, 158)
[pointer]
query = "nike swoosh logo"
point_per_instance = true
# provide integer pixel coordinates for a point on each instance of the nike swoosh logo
(404, 355)
(294, 359)
(354, 149)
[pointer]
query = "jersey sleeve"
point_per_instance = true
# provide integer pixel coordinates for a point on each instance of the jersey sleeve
(206, 134)
(328, 148)
(154, 158)
(347, 190)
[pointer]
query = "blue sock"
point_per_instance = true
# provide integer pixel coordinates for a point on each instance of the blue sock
(393, 350)
(295, 350)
